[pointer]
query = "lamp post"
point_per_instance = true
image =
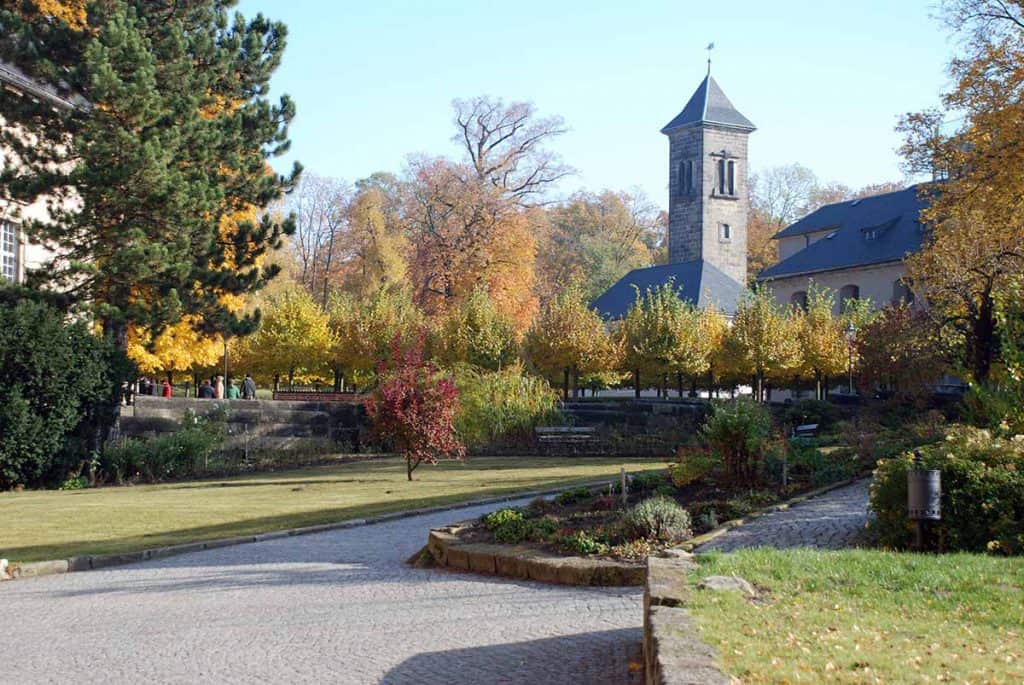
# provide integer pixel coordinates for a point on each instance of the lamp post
(851, 336)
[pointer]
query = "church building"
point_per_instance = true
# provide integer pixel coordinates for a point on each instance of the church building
(708, 208)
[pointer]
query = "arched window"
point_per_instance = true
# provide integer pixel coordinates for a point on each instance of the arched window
(721, 177)
(732, 178)
(901, 293)
(847, 293)
(724, 232)
(799, 298)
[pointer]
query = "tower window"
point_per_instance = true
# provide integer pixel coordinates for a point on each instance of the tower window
(724, 233)
(689, 176)
(732, 178)
(721, 177)
(8, 251)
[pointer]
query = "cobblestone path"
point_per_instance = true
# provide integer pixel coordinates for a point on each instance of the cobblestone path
(336, 607)
(830, 521)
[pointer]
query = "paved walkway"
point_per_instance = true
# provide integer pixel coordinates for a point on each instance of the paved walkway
(830, 521)
(336, 607)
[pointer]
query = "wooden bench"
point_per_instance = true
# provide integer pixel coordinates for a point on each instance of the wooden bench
(551, 438)
(807, 430)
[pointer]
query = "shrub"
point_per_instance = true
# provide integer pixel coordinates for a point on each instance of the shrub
(414, 410)
(495, 519)
(692, 464)
(184, 453)
(982, 493)
(582, 542)
(53, 376)
(503, 407)
(737, 431)
(658, 518)
(573, 496)
(647, 481)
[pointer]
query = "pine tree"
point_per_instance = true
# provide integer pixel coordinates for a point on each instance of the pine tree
(170, 134)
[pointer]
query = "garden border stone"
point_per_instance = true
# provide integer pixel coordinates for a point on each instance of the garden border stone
(524, 563)
(77, 564)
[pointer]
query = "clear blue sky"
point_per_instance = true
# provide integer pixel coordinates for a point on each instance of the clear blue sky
(823, 80)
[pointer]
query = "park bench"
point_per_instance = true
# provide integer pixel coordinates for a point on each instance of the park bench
(807, 430)
(564, 438)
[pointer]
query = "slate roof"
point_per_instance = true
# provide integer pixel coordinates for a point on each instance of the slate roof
(16, 78)
(892, 220)
(697, 282)
(709, 105)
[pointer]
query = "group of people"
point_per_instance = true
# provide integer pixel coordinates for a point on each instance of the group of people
(213, 389)
(216, 389)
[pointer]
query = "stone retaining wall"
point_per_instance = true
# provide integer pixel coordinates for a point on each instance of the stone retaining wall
(511, 561)
(674, 654)
(256, 425)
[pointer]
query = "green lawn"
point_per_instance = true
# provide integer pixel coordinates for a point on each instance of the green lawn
(866, 617)
(50, 524)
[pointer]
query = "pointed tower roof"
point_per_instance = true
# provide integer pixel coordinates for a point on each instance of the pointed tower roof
(709, 105)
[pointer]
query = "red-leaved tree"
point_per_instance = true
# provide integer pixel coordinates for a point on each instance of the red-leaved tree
(414, 408)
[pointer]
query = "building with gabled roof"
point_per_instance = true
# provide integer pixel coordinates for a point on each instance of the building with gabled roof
(708, 208)
(855, 248)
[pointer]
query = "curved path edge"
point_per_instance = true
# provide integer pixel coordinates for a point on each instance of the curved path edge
(34, 569)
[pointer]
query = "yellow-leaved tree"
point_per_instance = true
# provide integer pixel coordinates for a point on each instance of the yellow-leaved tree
(293, 340)
(569, 339)
(762, 341)
(366, 330)
(824, 349)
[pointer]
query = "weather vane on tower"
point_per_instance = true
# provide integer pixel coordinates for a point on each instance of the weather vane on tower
(709, 48)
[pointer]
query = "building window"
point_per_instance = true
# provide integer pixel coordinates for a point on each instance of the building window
(901, 294)
(724, 233)
(689, 176)
(799, 298)
(721, 177)
(846, 294)
(9, 251)
(732, 178)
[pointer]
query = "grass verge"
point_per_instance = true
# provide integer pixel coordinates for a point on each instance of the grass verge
(39, 525)
(865, 616)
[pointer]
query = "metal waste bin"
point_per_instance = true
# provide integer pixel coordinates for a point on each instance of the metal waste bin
(924, 499)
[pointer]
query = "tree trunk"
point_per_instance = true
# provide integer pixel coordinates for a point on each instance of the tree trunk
(575, 381)
(636, 383)
(693, 387)
(291, 379)
(565, 384)
(679, 384)
(817, 385)
(277, 382)
(337, 380)
(984, 348)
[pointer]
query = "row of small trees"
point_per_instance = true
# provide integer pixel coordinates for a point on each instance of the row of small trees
(662, 341)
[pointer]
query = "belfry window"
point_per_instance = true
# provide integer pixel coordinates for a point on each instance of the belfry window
(732, 177)
(724, 233)
(721, 177)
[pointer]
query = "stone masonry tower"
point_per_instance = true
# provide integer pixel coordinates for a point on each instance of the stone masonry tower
(708, 198)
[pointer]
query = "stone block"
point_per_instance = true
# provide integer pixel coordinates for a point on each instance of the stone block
(457, 558)
(512, 565)
(39, 568)
(481, 561)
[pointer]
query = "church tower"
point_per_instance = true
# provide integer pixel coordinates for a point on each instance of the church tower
(708, 195)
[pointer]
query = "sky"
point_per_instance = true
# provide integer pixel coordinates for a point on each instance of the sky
(825, 81)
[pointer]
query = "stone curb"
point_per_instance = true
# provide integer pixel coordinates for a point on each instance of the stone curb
(674, 653)
(695, 542)
(522, 563)
(91, 562)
